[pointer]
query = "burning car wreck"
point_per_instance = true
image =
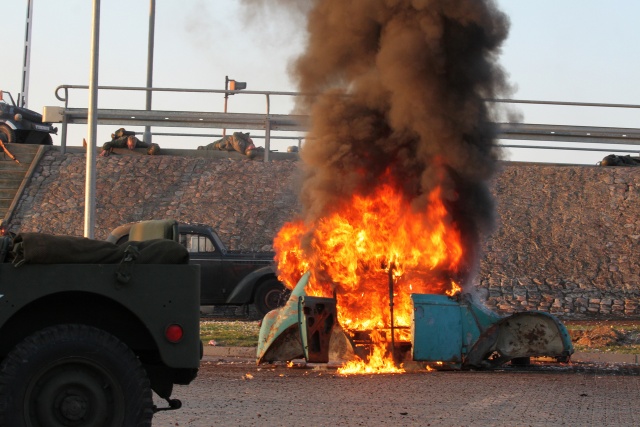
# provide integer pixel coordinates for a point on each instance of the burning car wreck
(395, 195)
(446, 332)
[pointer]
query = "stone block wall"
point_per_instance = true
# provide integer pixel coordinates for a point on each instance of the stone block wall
(566, 241)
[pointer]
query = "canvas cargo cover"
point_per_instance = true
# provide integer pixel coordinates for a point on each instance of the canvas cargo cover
(39, 248)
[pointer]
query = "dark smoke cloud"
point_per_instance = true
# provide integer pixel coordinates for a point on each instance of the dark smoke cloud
(415, 73)
(400, 87)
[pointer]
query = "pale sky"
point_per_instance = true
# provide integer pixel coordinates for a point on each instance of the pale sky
(557, 50)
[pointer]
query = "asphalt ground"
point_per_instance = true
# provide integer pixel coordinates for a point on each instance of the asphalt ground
(234, 391)
(594, 389)
(249, 353)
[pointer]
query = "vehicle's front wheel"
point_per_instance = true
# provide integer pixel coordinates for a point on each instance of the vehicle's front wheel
(73, 375)
(270, 294)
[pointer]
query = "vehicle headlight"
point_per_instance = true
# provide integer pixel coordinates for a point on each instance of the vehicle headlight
(18, 117)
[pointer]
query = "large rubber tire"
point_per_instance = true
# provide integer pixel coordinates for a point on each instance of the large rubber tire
(73, 375)
(270, 295)
(9, 134)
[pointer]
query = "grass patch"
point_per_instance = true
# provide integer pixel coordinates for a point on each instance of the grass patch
(605, 337)
(234, 333)
(599, 337)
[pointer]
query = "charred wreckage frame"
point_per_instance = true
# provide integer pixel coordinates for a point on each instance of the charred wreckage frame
(447, 332)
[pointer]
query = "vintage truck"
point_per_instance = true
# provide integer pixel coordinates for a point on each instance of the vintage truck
(229, 277)
(21, 125)
(89, 329)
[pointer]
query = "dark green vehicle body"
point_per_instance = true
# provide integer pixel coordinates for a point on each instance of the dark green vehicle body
(36, 296)
(89, 297)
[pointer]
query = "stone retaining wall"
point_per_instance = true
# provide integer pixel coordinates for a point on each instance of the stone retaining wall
(566, 241)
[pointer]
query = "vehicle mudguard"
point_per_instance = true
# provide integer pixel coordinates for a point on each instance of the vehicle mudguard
(283, 337)
(243, 292)
(279, 337)
(526, 334)
(10, 123)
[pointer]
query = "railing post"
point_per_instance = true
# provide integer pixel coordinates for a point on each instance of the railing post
(267, 140)
(63, 133)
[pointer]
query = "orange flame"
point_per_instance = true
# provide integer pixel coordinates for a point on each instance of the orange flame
(378, 363)
(350, 254)
(454, 289)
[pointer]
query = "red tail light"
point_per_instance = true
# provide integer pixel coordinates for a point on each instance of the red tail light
(174, 333)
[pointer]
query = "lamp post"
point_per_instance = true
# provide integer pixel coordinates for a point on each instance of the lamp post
(230, 84)
(26, 63)
(92, 125)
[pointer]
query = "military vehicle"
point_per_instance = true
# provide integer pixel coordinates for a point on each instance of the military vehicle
(89, 329)
(21, 125)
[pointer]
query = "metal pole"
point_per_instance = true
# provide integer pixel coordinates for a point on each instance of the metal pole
(226, 98)
(267, 140)
(152, 26)
(92, 121)
(26, 63)
(63, 135)
(393, 340)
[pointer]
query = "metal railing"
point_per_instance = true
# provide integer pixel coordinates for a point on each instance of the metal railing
(122, 117)
(575, 138)
(578, 136)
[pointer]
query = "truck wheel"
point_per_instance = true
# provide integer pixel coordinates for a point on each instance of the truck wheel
(270, 294)
(73, 375)
(9, 134)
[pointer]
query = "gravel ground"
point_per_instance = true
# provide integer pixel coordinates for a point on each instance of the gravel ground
(239, 393)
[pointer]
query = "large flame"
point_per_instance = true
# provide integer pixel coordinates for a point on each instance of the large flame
(355, 252)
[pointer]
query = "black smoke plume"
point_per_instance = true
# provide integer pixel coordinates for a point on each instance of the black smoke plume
(399, 87)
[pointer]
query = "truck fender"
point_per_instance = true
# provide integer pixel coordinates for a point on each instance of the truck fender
(243, 292)
(526, 334)
(9, 123)
(279, 337)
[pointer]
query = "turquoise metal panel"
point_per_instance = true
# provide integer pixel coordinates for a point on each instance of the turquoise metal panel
(279, 337)
(436, 329)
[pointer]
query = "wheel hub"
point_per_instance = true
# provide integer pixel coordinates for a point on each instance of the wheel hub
(73, 407)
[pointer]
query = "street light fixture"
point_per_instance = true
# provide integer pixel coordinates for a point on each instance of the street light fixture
(230, 84)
